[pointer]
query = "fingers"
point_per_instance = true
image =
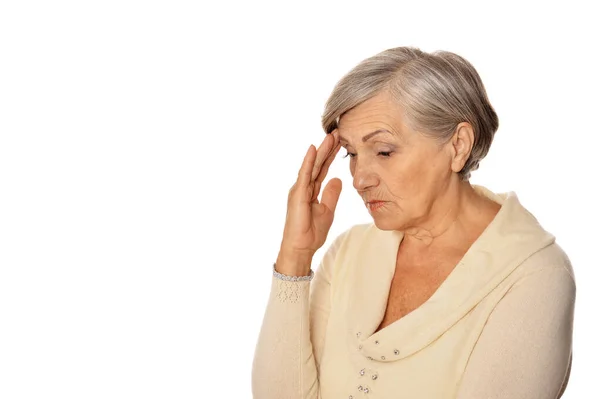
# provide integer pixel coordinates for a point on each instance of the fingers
(323, 172)
(331, 194)
(316, 165)
(324, 151)
(322, 164)
(327, 164)
(305, 172)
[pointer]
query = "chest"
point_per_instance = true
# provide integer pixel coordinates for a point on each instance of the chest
(410, 288)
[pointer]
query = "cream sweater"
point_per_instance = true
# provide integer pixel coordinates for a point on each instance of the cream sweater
(500, 326)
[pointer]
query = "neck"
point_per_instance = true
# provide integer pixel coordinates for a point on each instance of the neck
(457, 218)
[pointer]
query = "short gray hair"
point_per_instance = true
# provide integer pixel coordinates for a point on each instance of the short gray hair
(437, 91)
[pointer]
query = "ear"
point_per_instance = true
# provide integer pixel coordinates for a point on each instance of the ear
(461, 145)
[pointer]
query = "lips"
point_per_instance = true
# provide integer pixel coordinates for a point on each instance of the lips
(375, 205)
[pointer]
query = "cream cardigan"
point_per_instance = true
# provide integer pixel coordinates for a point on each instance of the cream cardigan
(499, 326)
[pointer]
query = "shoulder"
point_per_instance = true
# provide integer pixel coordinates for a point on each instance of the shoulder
(356, 231)
(345, 244)
(550, 258)
(355, 235)
(547, 271)
(361, 229)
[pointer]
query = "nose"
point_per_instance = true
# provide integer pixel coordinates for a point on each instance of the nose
(363, 177)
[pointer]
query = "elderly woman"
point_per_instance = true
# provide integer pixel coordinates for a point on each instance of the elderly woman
(453, 291)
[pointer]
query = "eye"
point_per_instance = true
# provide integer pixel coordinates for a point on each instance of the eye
(381, 153)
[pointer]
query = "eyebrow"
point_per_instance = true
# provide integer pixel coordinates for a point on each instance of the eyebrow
(368, 136)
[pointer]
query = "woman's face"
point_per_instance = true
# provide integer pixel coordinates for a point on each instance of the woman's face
(392, 163)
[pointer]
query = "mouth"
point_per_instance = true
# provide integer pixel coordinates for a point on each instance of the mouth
(375, 205)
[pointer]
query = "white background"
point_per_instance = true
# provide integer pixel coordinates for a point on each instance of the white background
(147, 148)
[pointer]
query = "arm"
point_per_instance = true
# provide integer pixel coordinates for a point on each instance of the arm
(524, 351)
(290, 342)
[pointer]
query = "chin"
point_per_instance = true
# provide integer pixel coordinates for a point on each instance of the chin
(387, 224)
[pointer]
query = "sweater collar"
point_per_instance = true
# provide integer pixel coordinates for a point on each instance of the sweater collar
(512, 236)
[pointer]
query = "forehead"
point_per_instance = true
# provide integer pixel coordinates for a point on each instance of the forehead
(378, 112)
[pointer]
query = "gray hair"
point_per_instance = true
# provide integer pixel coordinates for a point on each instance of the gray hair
(437, 91)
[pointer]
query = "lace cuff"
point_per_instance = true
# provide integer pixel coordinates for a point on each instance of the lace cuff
(292, 278)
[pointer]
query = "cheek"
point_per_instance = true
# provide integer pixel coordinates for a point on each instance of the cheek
(429, 165)
(408, 179)
(439, 169)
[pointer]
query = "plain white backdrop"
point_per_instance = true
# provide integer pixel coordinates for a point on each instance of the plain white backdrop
(147, 149)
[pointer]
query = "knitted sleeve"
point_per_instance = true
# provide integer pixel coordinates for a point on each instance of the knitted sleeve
(290, 342)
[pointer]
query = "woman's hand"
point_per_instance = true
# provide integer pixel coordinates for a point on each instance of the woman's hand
(307, 220)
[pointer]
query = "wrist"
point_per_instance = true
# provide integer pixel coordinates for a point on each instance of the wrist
(293, 263)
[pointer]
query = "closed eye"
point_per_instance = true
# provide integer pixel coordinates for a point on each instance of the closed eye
(381, 153)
